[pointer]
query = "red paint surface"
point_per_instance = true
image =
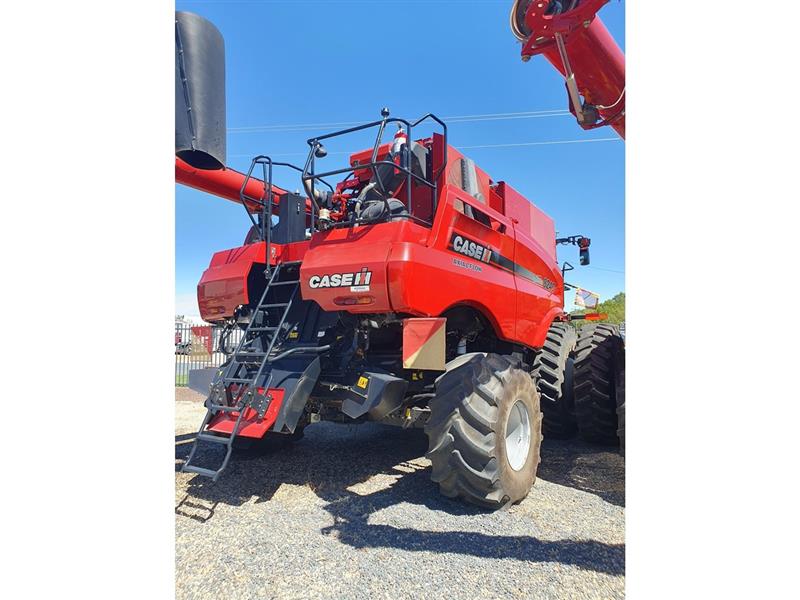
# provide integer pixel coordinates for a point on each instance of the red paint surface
(251, 426)
(595, 58)
(226, 183)
(223, 286)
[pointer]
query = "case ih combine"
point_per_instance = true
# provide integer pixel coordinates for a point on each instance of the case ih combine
(405, 287)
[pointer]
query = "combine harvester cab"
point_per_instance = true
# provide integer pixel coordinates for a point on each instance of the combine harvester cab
(405, 287)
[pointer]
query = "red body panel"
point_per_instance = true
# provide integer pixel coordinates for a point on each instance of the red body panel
(223, 286)
(251, 426)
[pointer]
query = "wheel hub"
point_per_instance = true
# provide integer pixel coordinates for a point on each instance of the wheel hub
(518, 435)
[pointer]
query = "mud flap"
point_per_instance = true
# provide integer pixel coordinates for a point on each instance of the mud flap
(296, 375)
(374, 393)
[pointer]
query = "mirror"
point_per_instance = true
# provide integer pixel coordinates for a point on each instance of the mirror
(583, 244)
(584, 256)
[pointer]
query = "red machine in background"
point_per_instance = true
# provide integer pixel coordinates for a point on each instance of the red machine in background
(573, 38)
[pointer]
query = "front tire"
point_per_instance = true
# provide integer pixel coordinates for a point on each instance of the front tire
(485, 431)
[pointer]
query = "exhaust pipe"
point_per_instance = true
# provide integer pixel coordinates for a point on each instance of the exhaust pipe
(199, 92)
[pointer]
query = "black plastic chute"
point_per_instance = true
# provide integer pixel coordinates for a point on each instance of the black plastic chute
(199, 92)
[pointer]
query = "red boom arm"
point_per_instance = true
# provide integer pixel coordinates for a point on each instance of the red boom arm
(575, 41)
(225, 183)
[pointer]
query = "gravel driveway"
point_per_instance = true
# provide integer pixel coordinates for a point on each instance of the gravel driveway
(349, 512)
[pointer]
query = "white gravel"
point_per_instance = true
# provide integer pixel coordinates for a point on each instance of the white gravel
(350, 512)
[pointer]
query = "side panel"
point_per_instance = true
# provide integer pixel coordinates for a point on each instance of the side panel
(540, 291)
(529, 219)
(539, 281)
(426, 281)
(223, 285)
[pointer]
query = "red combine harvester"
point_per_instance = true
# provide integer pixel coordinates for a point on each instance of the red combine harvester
(404, 287)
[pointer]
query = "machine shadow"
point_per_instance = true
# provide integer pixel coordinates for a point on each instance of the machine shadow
(358, 470)
(599, 470)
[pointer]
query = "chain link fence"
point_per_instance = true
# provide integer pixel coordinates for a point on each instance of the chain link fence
(197, 347)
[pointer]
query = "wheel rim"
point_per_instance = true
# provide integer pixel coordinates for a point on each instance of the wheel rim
(518, 435)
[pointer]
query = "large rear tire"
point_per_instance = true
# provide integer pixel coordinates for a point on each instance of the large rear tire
(599, 354)
(485, 431)
(553, 373)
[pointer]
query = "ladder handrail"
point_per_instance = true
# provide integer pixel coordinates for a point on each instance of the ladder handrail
(245, 400)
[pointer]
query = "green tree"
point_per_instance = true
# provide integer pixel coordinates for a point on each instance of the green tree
(613, 307)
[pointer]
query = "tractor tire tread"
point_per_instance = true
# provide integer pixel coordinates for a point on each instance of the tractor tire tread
(598, 354)
(550, 373)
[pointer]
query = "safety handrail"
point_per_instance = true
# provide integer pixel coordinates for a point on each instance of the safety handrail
(309, 176)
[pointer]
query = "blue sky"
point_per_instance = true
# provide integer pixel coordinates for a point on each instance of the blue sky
(320, 62)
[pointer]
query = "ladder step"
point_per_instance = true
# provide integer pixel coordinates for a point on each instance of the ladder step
(224, 408)
(263, 329)
(248, 354)
(278, 305)
(284, 283)
(207, 437)
(227, 380)
(200, 471)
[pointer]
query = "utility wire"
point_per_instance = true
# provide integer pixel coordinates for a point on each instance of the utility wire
(454, 119)
(603, 269)
(546, 143)
(516, 145)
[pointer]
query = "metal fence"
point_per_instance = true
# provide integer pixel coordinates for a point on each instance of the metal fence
(197, 347)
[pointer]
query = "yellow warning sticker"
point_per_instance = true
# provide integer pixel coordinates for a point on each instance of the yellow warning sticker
(293, 334)
(362, 382)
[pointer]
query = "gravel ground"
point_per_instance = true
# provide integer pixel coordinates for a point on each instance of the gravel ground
(349, 512)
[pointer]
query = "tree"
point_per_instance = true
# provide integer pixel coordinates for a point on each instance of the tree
(614, 308)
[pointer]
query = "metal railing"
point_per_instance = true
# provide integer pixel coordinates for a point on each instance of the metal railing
(198, 347)
(310, 176)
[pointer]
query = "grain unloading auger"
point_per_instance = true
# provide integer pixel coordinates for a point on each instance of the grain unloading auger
(405, 287)
(575, 41)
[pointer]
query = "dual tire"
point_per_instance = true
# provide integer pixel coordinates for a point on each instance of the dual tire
(581, 380)
(600, 384)
(553, 371)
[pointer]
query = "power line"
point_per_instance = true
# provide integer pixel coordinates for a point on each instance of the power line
(547, 143)
(453, 119)
(603, 269)
(515, 145)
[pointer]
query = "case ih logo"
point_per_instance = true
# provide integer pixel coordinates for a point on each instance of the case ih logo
(469, 248)
(361, 277)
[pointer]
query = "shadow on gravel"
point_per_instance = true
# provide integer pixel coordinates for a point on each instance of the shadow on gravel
(339, 464)
(586, 467)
